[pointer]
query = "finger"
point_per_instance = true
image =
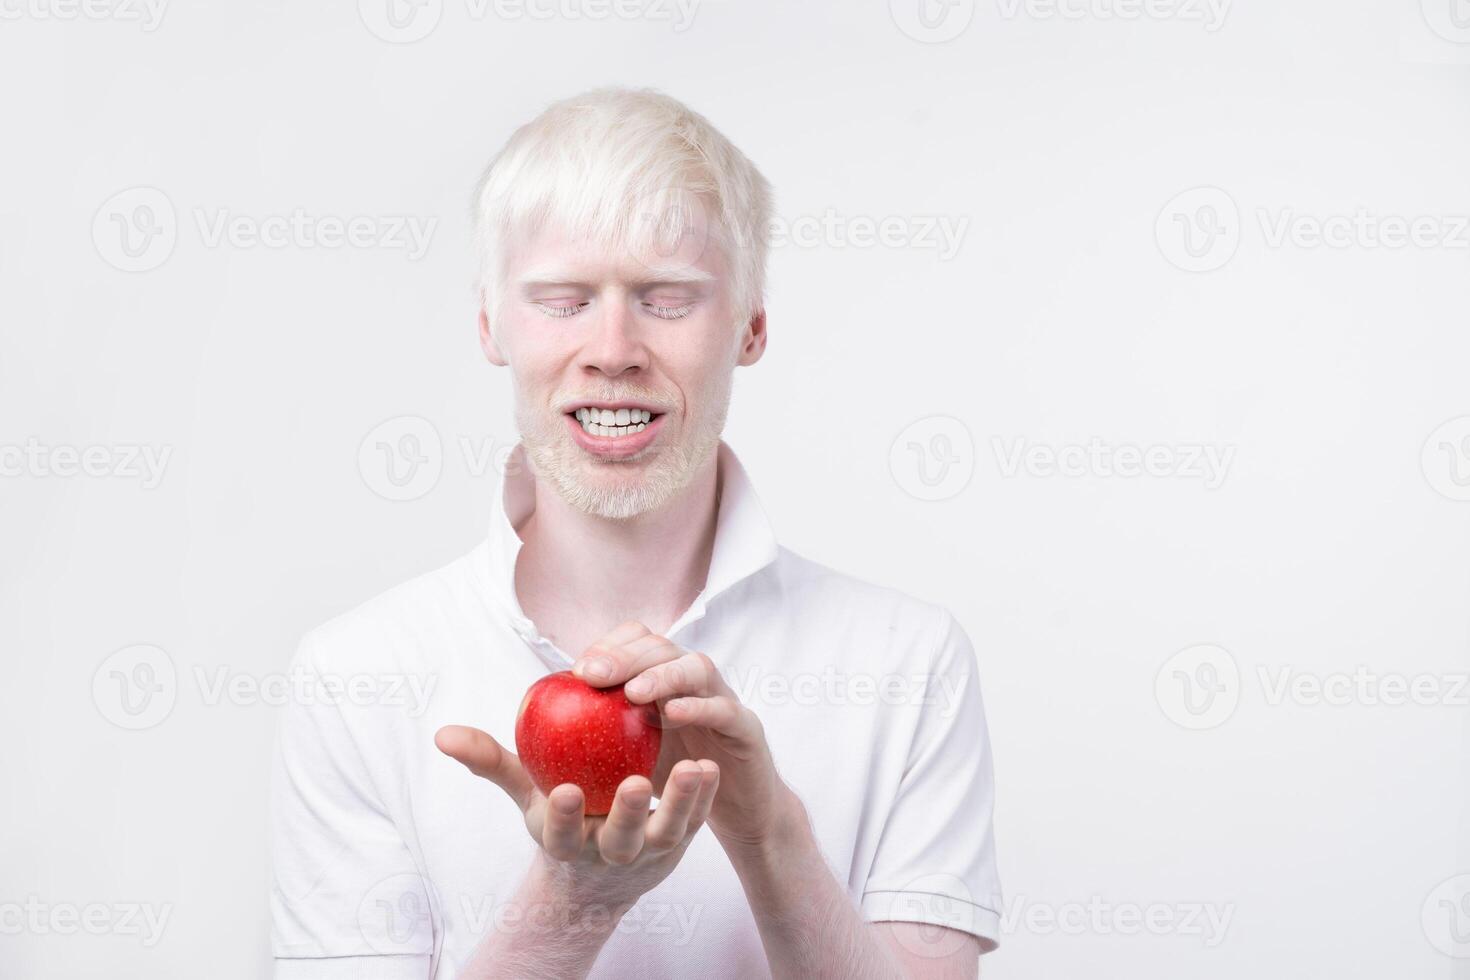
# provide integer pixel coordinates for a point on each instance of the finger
(621, 634)
(691, 674)
(709, 786)
(561, 832)
(667, 825)
(620, 838)
(485, 757)
(604, 666)
(719, 714)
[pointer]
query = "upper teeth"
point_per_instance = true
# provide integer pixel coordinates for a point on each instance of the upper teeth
(613, 422)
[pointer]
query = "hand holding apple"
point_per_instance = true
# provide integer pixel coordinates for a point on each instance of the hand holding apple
(610, 859)
(702, 719)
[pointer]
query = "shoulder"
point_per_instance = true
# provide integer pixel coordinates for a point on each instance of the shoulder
(381, 631)
(894, 622)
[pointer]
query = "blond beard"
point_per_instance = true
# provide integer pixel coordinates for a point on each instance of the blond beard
(559, 461)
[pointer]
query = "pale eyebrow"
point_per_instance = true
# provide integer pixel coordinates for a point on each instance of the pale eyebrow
(553, 278)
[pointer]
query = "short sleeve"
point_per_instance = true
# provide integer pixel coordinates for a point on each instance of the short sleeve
(347, 902)
(935, 861)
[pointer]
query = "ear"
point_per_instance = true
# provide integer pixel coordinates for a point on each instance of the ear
(487, 341)
(753, 343)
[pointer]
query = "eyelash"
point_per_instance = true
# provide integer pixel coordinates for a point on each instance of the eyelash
(662, 312)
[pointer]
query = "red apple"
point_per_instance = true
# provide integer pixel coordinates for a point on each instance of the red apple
(568, 731)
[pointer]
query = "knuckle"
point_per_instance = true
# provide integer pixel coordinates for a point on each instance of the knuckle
(703, 663)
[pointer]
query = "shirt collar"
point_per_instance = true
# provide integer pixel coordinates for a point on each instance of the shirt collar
(744, 543)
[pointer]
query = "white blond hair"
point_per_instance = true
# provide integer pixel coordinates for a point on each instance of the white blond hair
(623, 168)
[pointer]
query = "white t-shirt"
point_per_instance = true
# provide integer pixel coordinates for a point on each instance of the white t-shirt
(392, 861)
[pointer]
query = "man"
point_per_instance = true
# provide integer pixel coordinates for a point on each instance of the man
(846, 786)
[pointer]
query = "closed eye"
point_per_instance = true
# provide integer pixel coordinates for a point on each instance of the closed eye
(561, 311)
(669, 312)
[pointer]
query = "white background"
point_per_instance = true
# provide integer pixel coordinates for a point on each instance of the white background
(1334, 542)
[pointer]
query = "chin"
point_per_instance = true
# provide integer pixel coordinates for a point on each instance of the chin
(617, 489)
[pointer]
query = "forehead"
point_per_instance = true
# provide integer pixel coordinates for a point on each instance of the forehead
(667, 254)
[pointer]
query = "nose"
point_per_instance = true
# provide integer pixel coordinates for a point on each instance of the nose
(614, 347)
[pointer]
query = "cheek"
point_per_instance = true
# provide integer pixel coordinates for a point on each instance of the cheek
(537, 358)
(700, 367)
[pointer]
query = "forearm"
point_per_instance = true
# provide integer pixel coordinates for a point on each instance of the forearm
(808, 924)
(547, 930)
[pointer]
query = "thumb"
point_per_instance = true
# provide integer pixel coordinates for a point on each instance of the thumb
(485, 757)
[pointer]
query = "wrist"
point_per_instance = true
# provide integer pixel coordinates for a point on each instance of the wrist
(787, 832)
(563, 896)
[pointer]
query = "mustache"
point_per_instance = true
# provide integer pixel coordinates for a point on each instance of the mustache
(658, 401)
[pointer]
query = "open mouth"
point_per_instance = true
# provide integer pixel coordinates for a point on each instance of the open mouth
(613, 423)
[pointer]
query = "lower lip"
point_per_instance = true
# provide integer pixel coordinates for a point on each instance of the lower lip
(614, 447)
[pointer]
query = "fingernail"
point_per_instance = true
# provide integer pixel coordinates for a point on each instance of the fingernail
(597, 668)
(640, 685)
(567, 804)
(687, 780)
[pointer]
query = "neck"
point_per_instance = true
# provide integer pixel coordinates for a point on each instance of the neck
(578, 575)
